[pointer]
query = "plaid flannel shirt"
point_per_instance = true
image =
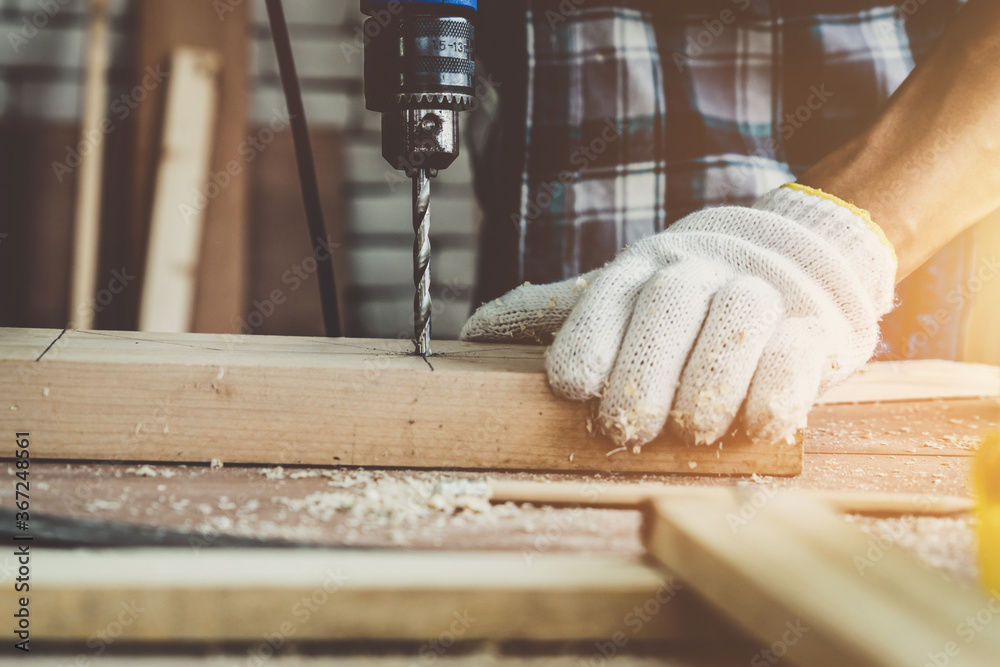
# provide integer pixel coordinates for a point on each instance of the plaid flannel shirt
(623, 116)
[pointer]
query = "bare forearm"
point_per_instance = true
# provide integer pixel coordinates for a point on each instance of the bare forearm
(929, 167)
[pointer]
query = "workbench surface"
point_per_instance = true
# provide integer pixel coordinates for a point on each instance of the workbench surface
(920, 447)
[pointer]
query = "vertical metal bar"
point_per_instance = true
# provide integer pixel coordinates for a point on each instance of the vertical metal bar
(422, 262)
(307, 169)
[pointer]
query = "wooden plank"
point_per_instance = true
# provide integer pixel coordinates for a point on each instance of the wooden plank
(168, 288)
(247, 595)
(86, 228)
(318, 401)
(893, 473)
(982, 292)
(951, 427)
(915, 380)
(220, 287)
(20, 344)
(804, 584)
(596, 494)
(257, 399)
(161, 27)
(289, 500)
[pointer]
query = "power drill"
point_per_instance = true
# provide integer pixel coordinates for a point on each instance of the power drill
(419, 73)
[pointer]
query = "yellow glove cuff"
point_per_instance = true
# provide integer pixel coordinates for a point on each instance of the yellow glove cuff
(860, 212)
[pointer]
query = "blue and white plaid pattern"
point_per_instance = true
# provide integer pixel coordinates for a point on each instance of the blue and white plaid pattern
(592, 179)
(635, 113)
(640, 112)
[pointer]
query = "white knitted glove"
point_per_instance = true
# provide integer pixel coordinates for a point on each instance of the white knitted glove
(731, 308)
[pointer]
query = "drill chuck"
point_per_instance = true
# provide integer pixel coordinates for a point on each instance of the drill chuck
(422, 59)
(419, 73)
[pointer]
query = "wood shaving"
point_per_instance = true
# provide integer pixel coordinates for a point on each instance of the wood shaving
(273, 473)
(103, 505)
(371, 499)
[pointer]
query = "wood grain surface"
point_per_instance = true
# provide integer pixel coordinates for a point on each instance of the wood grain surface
(284, 400)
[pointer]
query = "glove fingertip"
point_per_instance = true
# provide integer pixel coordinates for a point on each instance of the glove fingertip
(634, 428)
(786, 383)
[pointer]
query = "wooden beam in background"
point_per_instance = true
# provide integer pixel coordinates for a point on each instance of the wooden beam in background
(177, 221)
(980, 342)
(247, 595)
(87, 214)
(920, 379)
(595, 494)
(801, 581)
(163, 26)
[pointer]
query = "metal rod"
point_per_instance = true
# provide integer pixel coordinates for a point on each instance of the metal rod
(422, 262)
(307, 171)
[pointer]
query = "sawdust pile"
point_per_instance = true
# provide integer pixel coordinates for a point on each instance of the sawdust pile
(946, 544)
(357, 504)
(373, 498)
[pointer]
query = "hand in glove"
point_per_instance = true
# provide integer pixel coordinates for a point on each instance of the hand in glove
(731, 308)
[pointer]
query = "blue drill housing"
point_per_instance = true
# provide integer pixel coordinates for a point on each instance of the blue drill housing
(368, 6)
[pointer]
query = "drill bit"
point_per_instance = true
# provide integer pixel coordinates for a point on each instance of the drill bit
(422, 262)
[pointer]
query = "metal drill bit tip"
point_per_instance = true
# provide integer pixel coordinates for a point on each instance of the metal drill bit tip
(422, 263)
